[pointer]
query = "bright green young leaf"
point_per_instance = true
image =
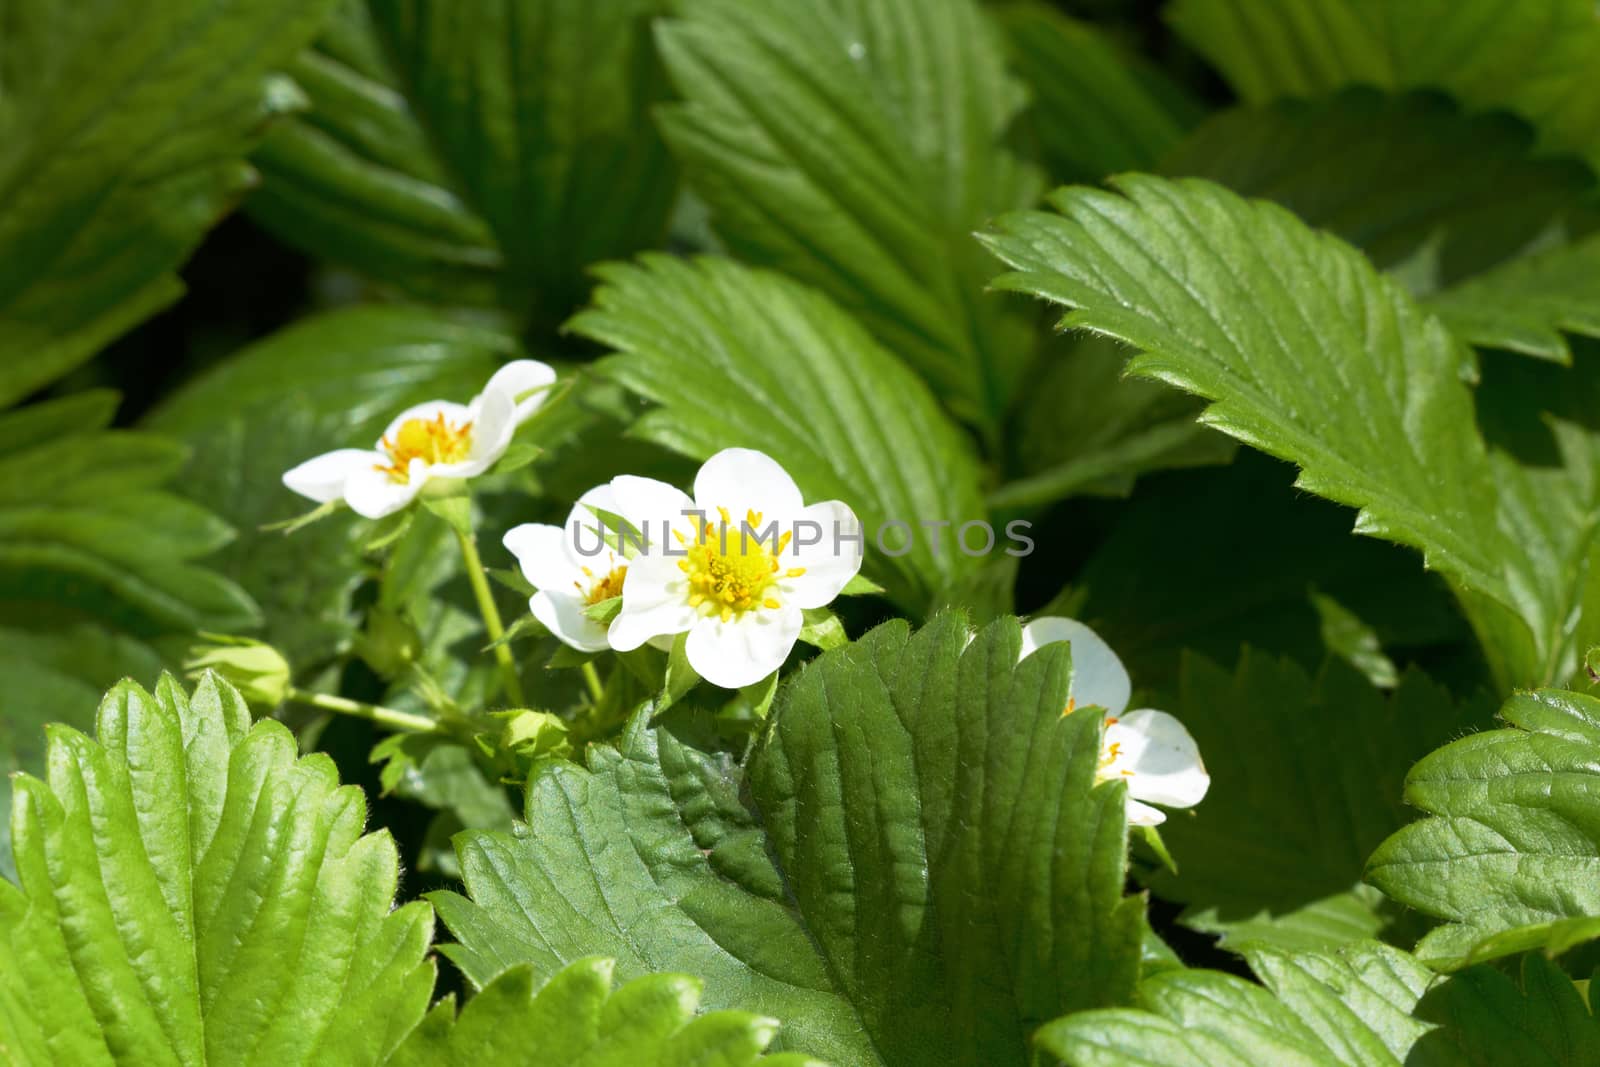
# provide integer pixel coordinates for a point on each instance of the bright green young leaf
(1430, 194)
(123, 124)
(191, 892)
(736, 356)
(1349, 1008)
(926, 874)
(1307, 776)
(1310, 355)
(856, 145)
(55, 675)
(329, 382)
(1366, 1005)
(1514, 840)
(1097, 108)
(475, 154)
(1525, 305)
(1533, 57)
(578, 1018)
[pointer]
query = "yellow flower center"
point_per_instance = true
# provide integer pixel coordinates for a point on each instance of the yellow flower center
(602, 588)
(433, 441)
(731, 569)
(1109, 754)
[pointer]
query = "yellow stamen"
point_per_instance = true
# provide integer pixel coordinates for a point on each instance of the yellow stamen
(604, 588)
(731, 570)
(434, 441)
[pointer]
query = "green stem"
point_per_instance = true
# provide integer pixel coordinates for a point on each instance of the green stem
(491, 616)
(389, 718)
(597, 691)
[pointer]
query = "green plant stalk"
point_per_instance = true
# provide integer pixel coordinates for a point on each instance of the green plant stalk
(403, 721)
(491, 616)
(597, 691)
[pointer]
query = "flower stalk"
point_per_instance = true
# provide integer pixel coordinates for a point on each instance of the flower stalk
(492, 625)
(388, 718)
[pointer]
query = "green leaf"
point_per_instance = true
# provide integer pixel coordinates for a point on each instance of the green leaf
(1428, 193)
(474, 154)
(1535, 58)
(1366, 1005)
(55, 675)
(1348, 1008)
(123, 124)
(1097, 108)
(855, 146)
(1241, 303)
(1306, 781)
(577, 1017)
(1241, 554)
(191, 892)
(1526, 304)
(87, 529)
(333, 381)
(1086, 430)
(1514, 840)
(736, 356)
(924, 873)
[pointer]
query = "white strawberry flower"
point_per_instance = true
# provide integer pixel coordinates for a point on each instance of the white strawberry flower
(573, 567)
(429, 442)
(733, 567)
(1148, 749)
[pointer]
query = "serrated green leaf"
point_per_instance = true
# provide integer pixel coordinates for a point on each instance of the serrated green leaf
(1525, 305)
(1429, 193)
(328, 382)
(926, 873)
(1534, 58)
(1097, 108)
(190, 892)
(578, 1018)
(1514, 838)
(1239, 302)
(1303, 790)
(474, 154)
(86, 528)
(123, 127)
(855, 146)
(1366, 1005)
(736, 356)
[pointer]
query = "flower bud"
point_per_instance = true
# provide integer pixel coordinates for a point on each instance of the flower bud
(256, 669)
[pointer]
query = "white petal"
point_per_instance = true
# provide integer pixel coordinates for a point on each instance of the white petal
(427, 411)
(1143, 814)
(741, 480)
(1162, 757)
(323, 478)
(829, 563)
(587, 532)
(563, 616)
(655, 601)
(492, 429)
(651, 506)
(372, 494)
(541, 551)
(517, 378)
(745, 649)
(1098, 677)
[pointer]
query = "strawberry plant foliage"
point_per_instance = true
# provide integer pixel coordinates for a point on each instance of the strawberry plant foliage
(1239, 302)
(189, 891)
(1509, 852)
(925, 869)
